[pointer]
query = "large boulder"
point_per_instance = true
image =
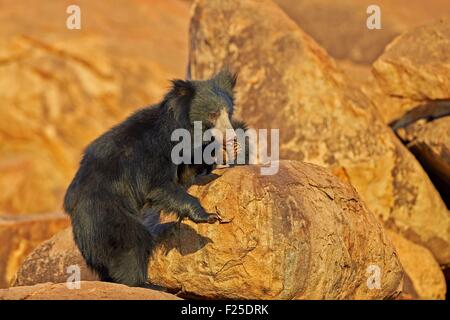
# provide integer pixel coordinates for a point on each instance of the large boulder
(287, 81)
(20, 235)
(299, 234)
(410, 80)
(88, 290)
(412, 76)
(61, 88)
(50, 261)
(341, 26)
(416, 65)
(424, 278)
(360, 77)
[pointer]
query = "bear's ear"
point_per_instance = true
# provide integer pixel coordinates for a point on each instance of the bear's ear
(226, 80)
(183, 89)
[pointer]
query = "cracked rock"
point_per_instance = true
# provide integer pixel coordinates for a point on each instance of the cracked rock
(287, 239)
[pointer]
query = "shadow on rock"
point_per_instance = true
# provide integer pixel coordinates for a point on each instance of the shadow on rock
(174, 234)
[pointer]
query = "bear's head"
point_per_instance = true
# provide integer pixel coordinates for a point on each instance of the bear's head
(209, 103)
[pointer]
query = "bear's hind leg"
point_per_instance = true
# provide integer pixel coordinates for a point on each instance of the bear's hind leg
(122, 249)
(130, 267)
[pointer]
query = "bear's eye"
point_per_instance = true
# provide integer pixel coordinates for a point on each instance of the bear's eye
(213, 115)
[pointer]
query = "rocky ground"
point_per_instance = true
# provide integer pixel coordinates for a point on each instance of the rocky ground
(364, 138)
(88, 290)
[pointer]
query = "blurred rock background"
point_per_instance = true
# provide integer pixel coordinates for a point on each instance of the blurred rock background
(333, 85)
(61, 88)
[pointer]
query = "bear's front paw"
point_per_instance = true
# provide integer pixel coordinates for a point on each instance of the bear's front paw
(213, 218)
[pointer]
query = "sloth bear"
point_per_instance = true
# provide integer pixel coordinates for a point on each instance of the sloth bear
(130, 167)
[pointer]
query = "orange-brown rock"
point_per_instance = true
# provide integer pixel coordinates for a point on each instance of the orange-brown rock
(299, 234)
(400, 68)
(340, 26)
(430, 142)
(424, 277)
(360, 77)
(49, 262)
(413, 72)
(88, 290)
(287, 81)
(61, 88)
(20, 235)
(416, 65)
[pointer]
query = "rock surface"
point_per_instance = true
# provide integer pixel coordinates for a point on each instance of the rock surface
(341, 28)
(89, 290)
(287, 81)
(360, 77)
(20, 235)
(422, 271)
(430, 141)
(312, 231)
(411, 74)
(416, 65)
(49, 262)
(61, 88)
(400, 68)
